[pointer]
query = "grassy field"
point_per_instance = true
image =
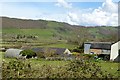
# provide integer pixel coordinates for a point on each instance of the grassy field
(53, 36)
(110, 67)
(45, 38)
(42, 33)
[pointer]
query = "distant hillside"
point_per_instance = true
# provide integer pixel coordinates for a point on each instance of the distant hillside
(28, 23)
(52, 30)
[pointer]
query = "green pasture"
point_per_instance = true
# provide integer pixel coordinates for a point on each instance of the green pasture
(42, 33)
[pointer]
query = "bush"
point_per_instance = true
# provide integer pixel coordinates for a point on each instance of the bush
(59, 58)
(47, 53)
(89, 56)
(15, 69)
(78, 50)
(40, 55)
(28, 53)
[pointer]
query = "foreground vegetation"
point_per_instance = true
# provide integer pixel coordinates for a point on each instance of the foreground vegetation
(40, 68)
(19, 69)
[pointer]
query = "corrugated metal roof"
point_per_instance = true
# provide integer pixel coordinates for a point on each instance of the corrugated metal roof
(100, 45)
(12, 52)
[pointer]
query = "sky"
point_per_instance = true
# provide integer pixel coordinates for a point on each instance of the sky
(86, 13)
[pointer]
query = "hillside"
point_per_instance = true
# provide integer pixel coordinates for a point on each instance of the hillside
(14, 29)
(28, 23)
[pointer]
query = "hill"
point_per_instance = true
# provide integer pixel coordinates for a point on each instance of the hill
(23, 30)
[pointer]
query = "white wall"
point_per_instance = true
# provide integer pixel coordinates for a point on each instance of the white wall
(114, 51)
(67, 51)
(87, 48)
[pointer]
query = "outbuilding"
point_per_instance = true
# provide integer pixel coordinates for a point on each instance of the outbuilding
(13, 53)
(97, 47)
(101, 49)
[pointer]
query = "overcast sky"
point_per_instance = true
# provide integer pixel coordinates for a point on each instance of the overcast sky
(74, 12)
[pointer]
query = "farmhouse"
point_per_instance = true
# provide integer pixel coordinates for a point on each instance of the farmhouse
(115, 52)
(13, 53)
(97, 47)
(52, 50)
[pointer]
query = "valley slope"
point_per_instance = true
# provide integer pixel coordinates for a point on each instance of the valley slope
(52, 33)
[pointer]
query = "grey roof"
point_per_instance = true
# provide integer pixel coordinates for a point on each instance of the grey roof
(55, 50)
(12, 52)
(100, 45)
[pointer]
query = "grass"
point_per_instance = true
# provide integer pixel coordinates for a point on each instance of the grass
(1, 56)
(62, 45)
(45, 37)
(110, 67)
(41, 44)
(37, 63)
(42, 33)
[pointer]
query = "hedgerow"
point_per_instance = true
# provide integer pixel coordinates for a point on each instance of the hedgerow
(73, 69)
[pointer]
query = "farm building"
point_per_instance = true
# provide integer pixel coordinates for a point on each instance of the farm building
(97, 47)
(13, 53)
(52, 50)
(115, 52)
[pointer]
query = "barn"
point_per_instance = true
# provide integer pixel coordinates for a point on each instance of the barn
(97, 47)
(115, 52)
(101, 49)
(13, 53)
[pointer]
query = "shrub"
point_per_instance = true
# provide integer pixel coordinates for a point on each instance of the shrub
(78, 50)
(15, 69)
(89, 56)
(29, 53)
(40, 55)
(47, 53)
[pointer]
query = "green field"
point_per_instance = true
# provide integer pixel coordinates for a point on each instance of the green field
(55, 35)
(42, 33)
(45, 38)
